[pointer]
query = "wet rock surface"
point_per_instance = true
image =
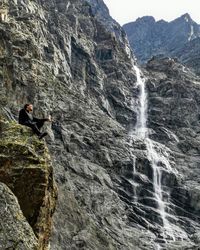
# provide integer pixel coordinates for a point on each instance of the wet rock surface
(63, 58)
(174, 120)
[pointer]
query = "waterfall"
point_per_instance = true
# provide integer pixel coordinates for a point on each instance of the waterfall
(141, 129)
(154, 157)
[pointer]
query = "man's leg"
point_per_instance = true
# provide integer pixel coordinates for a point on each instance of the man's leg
(35, 129)
(39, 124)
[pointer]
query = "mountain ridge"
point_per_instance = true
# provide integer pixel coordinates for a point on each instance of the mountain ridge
(160, 37)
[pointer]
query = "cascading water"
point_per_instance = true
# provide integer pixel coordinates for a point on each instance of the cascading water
(170, 228)
(142, 111)
(153, 156)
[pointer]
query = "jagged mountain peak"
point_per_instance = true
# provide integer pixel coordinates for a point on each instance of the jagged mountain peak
(160, 37)
(185, 18)
(162, 21)
(149, 19)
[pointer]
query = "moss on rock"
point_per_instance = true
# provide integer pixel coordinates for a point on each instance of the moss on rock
(26, 169)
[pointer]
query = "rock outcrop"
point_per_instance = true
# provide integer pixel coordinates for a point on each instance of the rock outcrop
(26, 169)
(62, 57)
(15, 232)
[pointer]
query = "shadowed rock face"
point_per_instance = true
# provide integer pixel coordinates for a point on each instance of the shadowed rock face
(62, 57)
(15, 232)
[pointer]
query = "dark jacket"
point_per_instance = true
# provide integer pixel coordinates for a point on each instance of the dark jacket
(26, 119)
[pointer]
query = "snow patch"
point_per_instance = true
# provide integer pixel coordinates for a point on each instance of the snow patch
(67, 7)
(186, 19)
(191, 36)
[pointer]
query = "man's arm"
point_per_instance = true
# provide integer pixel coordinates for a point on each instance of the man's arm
(42, 120)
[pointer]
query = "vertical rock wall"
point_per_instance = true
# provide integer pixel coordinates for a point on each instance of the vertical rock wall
(70, 59)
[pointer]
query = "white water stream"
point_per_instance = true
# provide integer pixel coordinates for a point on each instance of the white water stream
(141, 127)
(156, 158)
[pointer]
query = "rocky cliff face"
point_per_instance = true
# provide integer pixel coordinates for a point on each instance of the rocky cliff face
(189, 54)
(174, 120)
(26, 169)
(148, 38)
(64, 58)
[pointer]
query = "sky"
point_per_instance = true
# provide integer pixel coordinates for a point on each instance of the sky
(124, 11)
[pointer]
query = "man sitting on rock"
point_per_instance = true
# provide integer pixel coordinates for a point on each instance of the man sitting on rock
(26, 118)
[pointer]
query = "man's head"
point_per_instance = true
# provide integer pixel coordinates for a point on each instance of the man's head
(28, 107)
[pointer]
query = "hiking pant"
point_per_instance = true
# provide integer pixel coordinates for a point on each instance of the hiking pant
(36, 126)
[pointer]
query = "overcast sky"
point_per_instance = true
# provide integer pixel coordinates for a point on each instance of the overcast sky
(124, 11)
